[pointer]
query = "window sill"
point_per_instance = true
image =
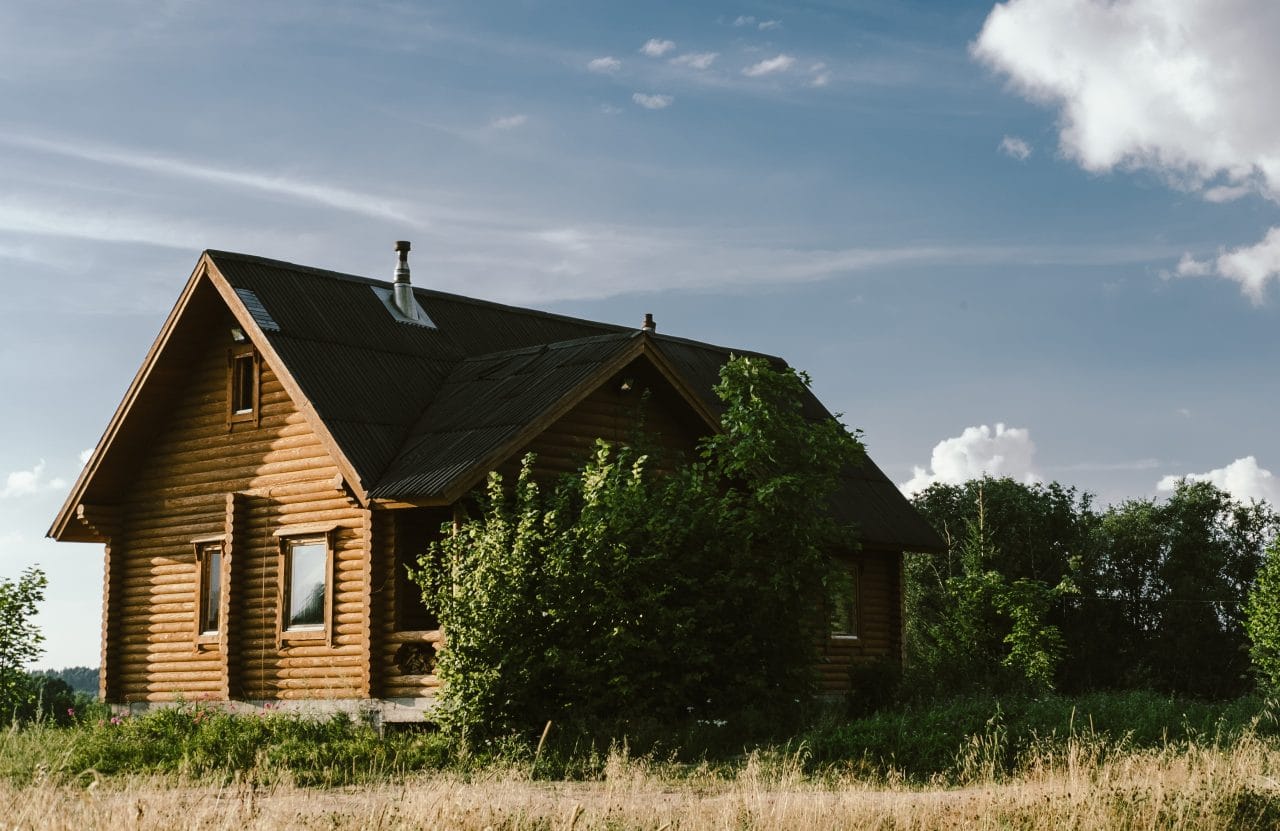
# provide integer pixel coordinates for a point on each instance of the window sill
(317, 634)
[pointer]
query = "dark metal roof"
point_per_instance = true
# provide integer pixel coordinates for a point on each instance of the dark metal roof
(416, 409)
(486, 403)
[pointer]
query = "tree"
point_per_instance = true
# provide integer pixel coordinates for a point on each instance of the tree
(1262, 621)
(978, 618)
(620, 597)
(20, 640)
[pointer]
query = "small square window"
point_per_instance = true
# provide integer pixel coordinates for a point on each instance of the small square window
(844, 603)
(242, 386)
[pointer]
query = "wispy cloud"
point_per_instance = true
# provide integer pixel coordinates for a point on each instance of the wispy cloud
(818, 75)
(314, 192)
(768, 66)
(604, 65)
(767, 25)
(653, 101)
(509, 122)
(656, 48)
(28, 482)
(744, 20)
(1015, 148)
(696, 60)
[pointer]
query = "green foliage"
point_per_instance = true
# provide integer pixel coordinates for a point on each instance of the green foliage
(1051, 593)
(620, 599)
(81, 679)
(941, 738)
(203, 740)
(985, 624)
(20, 642)
(1262, 621)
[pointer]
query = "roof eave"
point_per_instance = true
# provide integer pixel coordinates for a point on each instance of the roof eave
(62, 528)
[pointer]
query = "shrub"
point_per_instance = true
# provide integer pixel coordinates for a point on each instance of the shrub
(621, 598)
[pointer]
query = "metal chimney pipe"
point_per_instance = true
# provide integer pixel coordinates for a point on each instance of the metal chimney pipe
(403, 297)
(649, 325)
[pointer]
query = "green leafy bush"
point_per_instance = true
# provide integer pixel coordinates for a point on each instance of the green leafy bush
(621, 599)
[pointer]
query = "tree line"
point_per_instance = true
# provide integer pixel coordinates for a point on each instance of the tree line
(1039, 589)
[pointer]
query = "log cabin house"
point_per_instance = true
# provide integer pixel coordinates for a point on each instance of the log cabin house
(296, 436)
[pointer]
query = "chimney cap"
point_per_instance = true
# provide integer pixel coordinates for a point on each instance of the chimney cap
(649, 325)
(402, 245)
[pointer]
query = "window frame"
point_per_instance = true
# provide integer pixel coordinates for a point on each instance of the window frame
(204, 636)
(236, 358)
(289, 538)
(852, 618)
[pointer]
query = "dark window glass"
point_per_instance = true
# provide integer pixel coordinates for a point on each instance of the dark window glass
(211, 584)
(243, 380)
(844, 605)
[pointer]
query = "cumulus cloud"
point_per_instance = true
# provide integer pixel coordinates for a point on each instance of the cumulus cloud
(509, 122)
(696, 60)
(604, 65)
(1243, 479)
(766, 25)
(978, 451)
(1182, 89)
(1015, 148)
(655, 48)
(28, 482)
(653, 101)
(768, 66)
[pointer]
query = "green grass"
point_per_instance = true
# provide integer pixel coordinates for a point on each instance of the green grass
(952, 741)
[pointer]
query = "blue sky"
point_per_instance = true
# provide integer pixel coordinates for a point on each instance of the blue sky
(1027, 238)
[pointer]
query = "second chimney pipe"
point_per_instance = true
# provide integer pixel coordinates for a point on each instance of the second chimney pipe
(403, 289)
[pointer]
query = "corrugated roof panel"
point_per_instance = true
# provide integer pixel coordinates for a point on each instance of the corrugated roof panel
(415, 409)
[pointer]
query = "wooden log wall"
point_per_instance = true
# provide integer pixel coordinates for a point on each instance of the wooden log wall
(204, 477)
(662, 417)
(879, 620)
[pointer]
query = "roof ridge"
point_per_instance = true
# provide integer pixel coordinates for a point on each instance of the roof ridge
(444, 295)
(544, 347)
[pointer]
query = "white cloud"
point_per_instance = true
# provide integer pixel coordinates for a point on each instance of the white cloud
(696, 60)
(85, 455)
(1015, 148)
(779, 63)
(653, 102)
(1185, 89)
(744, 20)
(1243, 479)
(28, 482)
(977, 451)
(509, 122)
(315, 192)
(1252, 266)
(820, 77)
(605, 65)
(656, 48)
(766, 25)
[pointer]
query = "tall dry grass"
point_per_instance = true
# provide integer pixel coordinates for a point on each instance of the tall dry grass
(1080, 784)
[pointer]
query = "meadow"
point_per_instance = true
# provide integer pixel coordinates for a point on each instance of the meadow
(1129, 761)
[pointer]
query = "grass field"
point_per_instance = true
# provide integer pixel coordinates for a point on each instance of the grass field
(1123, 762)
(1188, 788)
